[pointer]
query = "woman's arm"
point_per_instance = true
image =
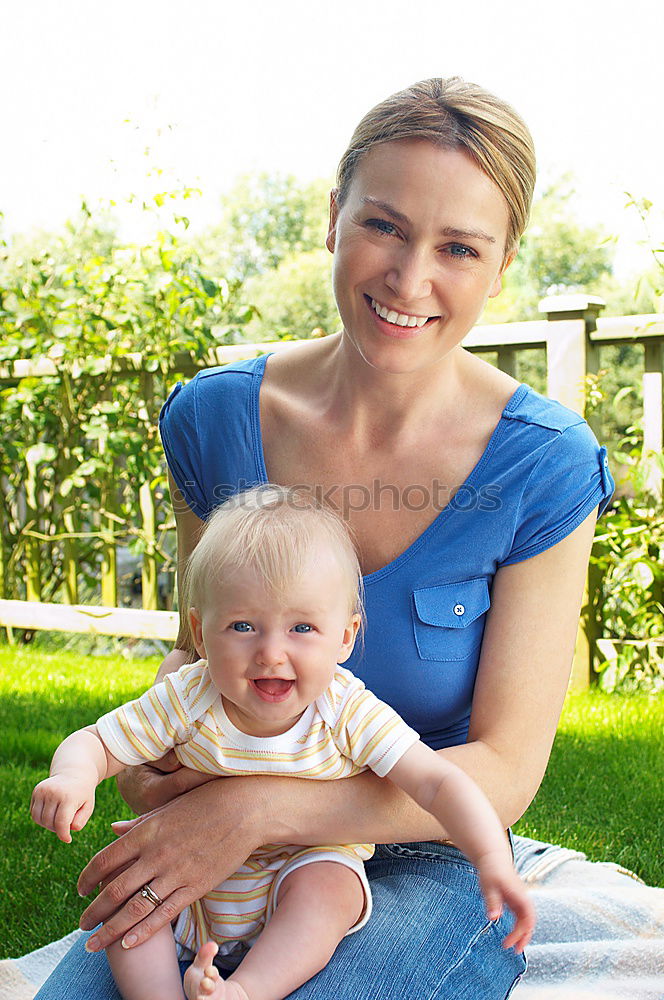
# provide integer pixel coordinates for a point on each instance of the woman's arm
(521, 683)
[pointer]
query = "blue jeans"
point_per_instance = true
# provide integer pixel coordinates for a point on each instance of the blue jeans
(428, 939)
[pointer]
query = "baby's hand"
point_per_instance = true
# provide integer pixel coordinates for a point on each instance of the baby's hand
(62, 803)
(500, 885)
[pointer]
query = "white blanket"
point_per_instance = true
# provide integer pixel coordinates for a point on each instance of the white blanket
(599, 934)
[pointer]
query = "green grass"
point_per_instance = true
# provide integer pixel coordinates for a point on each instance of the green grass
(600, 794)
(42, 698)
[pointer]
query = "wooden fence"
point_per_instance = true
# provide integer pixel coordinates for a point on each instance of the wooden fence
(572, 334)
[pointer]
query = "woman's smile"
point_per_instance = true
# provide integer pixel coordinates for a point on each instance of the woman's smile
(394, 317)
(392, 323)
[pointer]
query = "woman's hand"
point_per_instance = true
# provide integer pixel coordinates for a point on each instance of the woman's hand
(149, 786)
(182, 851)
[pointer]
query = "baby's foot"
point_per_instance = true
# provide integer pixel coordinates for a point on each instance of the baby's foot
(203, 982)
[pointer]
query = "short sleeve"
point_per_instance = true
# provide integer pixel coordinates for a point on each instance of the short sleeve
(181, 438)
(366, 729)
(145, 729)
(570, 480)
(161, 719)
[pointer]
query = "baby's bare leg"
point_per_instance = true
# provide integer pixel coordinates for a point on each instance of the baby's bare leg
(317, 905)
(150, 971)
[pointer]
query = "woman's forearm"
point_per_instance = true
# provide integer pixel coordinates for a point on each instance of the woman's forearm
(202, 836)
(369, 809)
(509, 782)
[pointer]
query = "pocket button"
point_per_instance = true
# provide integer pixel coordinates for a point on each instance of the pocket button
(459, 609)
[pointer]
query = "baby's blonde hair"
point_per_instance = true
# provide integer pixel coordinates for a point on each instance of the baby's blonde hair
(273, 529)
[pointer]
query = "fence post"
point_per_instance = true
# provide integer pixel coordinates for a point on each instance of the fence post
(33, 562)
(64, 465)
(149, 571)
(108, 526)
(507, 360)
(570, 356)
(652, 409)
(4, 549)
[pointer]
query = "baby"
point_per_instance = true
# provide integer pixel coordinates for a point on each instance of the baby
(274, 592)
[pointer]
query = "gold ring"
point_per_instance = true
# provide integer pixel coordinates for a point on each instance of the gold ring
(148, 893)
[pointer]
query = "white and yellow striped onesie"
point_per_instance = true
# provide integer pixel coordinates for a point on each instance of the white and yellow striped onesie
(344, 732)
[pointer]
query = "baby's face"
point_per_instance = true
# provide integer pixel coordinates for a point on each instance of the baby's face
(270, 657)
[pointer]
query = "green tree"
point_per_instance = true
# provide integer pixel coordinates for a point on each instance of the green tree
(264, 218)
(294, 299)
(557, 255)
(79, 444)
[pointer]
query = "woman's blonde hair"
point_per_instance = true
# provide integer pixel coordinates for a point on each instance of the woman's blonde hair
(273, 529)
(454, 114)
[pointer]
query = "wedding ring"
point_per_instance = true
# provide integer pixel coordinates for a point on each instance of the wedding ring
(148, 893)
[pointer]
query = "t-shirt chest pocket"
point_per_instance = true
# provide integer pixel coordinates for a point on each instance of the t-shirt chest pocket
(448, 620)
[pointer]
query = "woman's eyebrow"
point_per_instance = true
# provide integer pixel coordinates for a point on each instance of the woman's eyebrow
(385, 207)
(467, 234)
(451, 231)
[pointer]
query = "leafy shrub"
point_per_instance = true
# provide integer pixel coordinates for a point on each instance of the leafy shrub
(77, 445)
(627, 564)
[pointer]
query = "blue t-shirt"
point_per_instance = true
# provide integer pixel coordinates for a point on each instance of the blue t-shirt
(540, 476)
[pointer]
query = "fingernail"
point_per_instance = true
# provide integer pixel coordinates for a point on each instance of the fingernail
(129, 940)
(92, 944)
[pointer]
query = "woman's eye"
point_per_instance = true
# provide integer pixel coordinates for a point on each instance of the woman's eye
(241, 627)
(382, 226)
(459, 250)
(302, 627)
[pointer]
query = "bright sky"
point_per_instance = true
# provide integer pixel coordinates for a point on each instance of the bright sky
(216, 88)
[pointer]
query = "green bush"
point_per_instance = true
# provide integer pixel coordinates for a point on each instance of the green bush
(627, 564)
(77, 445)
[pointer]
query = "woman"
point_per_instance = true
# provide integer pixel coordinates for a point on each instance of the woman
(473, 502)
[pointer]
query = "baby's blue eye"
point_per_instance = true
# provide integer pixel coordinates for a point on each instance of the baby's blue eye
(241, 626)
(302, 628)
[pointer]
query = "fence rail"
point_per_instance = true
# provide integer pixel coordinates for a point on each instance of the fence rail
(572, 334)
(92, 620)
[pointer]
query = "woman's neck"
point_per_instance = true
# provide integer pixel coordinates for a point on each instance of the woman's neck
(367, 403)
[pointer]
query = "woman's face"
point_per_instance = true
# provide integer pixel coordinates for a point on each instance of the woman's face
(419, 247)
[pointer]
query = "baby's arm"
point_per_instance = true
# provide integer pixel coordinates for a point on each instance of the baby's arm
(64, 801)
(473, 825)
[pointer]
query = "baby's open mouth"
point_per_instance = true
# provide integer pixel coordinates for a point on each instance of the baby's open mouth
(273, 688)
